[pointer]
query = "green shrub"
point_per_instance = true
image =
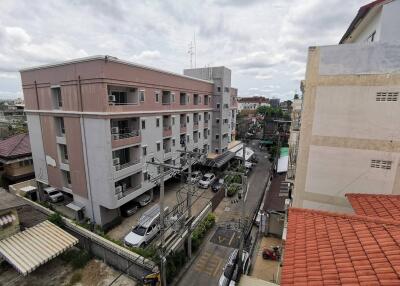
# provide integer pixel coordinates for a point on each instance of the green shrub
(56, 218)
(232, 190)
(77, 258)
(75, 278)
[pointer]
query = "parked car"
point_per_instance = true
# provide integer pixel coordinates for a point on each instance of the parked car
(231, 268)
(195, 177)
(53, 195)
(207, 180)
(143, 200)
(146, 229)
(129, 209)
(217, 185)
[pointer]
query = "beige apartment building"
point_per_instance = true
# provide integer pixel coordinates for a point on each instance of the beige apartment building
(350, 123)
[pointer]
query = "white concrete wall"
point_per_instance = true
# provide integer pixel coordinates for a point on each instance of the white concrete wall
(370, 25)
(355, 59)
(336, 171)
(38, 155)
(390, 23)
(353, 112)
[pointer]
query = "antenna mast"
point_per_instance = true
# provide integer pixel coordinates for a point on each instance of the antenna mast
(191, 53)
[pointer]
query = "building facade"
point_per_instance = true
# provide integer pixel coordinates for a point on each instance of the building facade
(349, 139)
(95, 122)
(252, 103)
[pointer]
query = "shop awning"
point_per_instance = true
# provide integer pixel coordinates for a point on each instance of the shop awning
(249, 153)
(29, 249)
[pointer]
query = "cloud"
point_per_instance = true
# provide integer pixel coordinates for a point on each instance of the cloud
(260, 41)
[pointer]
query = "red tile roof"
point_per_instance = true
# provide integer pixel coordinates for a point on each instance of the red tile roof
(15, 146)
(324, 248)
(383, 206)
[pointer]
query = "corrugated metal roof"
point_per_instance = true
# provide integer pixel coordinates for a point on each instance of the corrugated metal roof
(29, 249)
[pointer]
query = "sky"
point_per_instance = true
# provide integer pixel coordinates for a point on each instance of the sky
(264, 43)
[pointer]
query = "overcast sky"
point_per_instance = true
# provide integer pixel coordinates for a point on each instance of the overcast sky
(264, 43)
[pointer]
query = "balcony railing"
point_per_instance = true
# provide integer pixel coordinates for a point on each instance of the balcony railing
(167, 150)
(125, 133)
(195, 125)
(126, 165)
(183, 128)
(167, 131)
(121, 193)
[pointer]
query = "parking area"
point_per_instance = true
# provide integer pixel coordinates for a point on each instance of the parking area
(200, 199)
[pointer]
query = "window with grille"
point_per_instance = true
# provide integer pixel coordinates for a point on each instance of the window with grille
(387, 96)
(381, 164)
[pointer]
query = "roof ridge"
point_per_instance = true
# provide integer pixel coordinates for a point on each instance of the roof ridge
(17, 144)
(347, 216)
(372, 195)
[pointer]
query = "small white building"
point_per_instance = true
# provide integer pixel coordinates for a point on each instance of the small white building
(252, 103)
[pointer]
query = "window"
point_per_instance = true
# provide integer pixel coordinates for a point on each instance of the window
(187, 119)
(173, 120)
(208, 131)
(216, 150)
(219, 90)
(158, 146)
(173, 142)
(144, 150)
(157, 96)
(206, 100)
(61, 127)
(199, 134)
(146, 176)
(64, 153)
(387, 96)
(187, 138)
(173, 97)
(381, 164)
(217, 120)
(226, 105)
(57, 99)
(188, 98)
(226, 89)
(199, 117)
(218, 105)
(141, 95)
(225, 121)
(217, 136)
(143, 124)
(68, 177)
(157, 122)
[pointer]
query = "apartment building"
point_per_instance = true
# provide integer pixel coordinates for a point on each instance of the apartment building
(252, 103)
(349, 138)
(95, 122)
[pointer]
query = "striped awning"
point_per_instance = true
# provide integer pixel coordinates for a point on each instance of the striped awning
(29, 249)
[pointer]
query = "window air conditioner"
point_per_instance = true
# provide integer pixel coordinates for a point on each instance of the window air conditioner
(117, 167)
(118, 190)
(116, 161)
(114, 130)
(111, 98)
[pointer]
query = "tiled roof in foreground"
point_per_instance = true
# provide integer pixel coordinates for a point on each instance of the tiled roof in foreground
(324, 248)
(383, 206)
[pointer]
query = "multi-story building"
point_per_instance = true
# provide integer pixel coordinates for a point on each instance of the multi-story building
(350, 139)
(95, 122)
(252, 103)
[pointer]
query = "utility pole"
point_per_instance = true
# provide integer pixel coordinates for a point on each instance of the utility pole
(244, 191)
(189, 203)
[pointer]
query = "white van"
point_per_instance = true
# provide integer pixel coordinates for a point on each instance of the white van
(146, 229)
(53, 195)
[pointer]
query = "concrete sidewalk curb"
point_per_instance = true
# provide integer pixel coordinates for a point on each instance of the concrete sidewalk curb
(194, 257)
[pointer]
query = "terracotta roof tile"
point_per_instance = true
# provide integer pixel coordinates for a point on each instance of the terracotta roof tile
(340, 249)
(376, 205)
(15, 146)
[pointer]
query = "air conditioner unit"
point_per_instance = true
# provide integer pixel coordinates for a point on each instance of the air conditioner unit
(115, 136)
(111, 97)
(120, 196)
(116, 161)
(114, 130)
(118, 190)
(117, 167)
(123, 186)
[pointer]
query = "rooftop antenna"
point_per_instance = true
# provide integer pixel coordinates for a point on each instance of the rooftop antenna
(191, 53)
(195, 50)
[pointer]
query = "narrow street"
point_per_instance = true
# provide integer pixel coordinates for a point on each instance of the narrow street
(207, 268)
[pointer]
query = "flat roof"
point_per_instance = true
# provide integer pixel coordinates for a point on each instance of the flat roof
(33, 247)
(9, 201)
(111, 59)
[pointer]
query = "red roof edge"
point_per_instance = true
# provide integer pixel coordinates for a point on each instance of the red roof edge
(349, 195)
(362, 12)
(345, 216)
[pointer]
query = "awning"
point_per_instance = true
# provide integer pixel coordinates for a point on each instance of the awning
(29, 249)
(249, 153)
(283, 163)
(75, 206)
(27, 189)
(220, 160)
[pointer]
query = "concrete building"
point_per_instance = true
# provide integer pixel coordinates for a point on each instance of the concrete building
(350, 139)
(252, 103)
(275, 102)
(95, 122)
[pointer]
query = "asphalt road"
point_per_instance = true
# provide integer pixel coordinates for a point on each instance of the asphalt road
(207, 268)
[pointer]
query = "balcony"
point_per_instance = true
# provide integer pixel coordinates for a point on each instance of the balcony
(195, 125)
(206, 123)
(183, 128)
(183, 99)
(196, 99)
(125, 137)
(167, 131)
(128, 185)
(119, 95)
